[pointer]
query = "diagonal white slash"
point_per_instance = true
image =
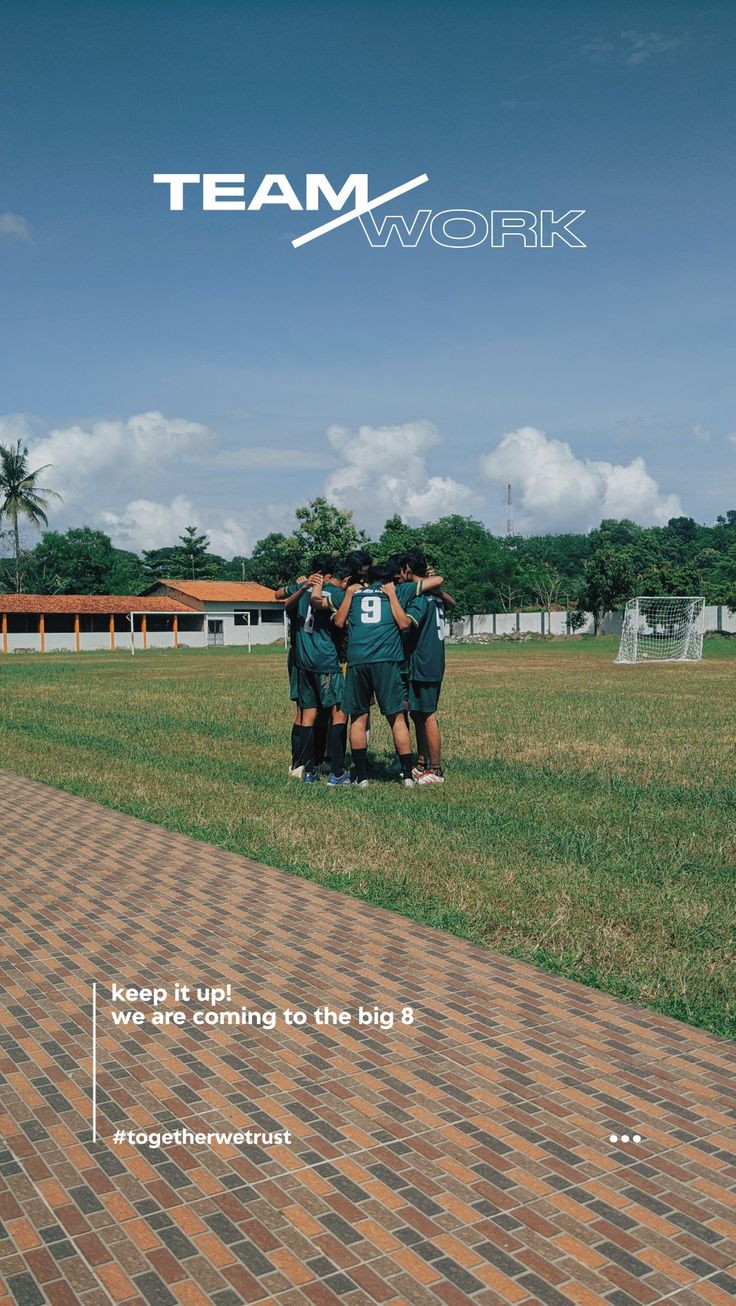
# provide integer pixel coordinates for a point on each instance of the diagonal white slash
(356, 213)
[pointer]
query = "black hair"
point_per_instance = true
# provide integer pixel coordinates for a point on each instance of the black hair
(396, 563)
(358, 558)
(323, 563)
(416, 561)
(357, 563)
(381, 573)
(341, 571)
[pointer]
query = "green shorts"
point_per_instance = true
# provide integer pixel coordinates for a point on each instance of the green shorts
(404, 673)
(380, 678)
(424, 695)
(293, 677)
(320, 691)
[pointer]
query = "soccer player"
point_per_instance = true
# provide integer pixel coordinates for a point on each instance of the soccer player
(320, 680)
(374, 620)
(408, 586)
(289, 595)
(331, 727)
(359, 562)
(426, 668)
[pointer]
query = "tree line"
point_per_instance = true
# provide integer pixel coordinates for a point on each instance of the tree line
(594, 572)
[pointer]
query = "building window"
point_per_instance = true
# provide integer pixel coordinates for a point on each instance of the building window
(244, 617)
(273, 616)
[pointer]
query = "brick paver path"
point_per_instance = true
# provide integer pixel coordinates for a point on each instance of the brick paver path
(462, 1159)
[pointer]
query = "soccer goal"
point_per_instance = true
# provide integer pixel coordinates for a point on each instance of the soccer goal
(667, 628)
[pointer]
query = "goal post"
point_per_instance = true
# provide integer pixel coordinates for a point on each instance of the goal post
(662, 628)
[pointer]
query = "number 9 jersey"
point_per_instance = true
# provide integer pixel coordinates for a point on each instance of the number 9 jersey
(373, 635)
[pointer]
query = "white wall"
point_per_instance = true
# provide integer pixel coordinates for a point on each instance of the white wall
(505, 623)
(719, 618)
(260, 632)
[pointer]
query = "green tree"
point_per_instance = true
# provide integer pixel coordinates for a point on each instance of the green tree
(21, 496)
(608, 581)
(160, 564)
(193, 556)
(275, 560)
(721, 587)
(397, 537)
(470, 558)
(323, 528)
(669, 576)
(546, 584)
(82, 561)
(685, 529)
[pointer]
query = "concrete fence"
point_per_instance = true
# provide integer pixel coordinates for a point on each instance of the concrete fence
(717, 618)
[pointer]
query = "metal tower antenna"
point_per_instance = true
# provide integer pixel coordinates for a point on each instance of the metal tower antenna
(509, 511)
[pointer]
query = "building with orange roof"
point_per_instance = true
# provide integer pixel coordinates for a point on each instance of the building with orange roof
(235, 611)
(171, 614)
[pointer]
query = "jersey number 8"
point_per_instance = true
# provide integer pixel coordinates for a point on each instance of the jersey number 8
(370, 609)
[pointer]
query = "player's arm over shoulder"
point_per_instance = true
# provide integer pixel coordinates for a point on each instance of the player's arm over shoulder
(399, 615)
(341, 616)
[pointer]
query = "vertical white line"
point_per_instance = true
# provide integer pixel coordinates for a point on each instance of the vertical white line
(94, 1063)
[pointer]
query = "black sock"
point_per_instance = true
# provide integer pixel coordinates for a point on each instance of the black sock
(295, 741)
(301, 740)
(407, 762)
(320, 742)
(360, 758)
(338, 740)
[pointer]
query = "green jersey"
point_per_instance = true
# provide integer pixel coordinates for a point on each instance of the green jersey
(373, 635)
(334, 596)
(427, 648)
(291, 616)
(317, 638)
(406, 590)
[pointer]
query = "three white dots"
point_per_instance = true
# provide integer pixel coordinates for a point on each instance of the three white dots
(625, 1138)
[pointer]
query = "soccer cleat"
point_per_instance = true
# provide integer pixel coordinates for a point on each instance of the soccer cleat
(361, 784)
(407, 782)
(343, 779)
(311, 777)
(418, 770)
(296, 772)
(430, 778)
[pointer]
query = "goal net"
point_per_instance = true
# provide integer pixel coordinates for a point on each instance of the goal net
(662, 629)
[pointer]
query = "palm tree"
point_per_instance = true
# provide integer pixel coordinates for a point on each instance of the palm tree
(20, 495)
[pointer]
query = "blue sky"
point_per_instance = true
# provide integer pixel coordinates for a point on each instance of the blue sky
(597, 380)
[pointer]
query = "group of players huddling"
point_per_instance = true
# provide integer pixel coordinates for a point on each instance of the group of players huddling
(386, 622)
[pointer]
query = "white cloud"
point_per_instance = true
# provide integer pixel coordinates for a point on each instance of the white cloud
(382, 470)
(86, 461)
(14, 427)
(15, 227)
(554, 490)
(701, 433)
(640, 46)
(146, 524)
(631, 47)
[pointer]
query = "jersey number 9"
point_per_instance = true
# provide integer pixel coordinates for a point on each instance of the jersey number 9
(370, 609)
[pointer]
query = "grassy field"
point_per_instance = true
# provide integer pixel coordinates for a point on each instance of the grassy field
(587, 823)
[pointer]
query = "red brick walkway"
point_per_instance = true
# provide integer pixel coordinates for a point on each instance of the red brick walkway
(463, 1159)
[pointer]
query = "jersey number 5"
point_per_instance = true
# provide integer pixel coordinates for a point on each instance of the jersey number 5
(370, 610)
